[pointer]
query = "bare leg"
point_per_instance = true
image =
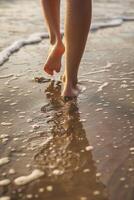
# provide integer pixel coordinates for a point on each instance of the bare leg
(77, 25)
(51, 9)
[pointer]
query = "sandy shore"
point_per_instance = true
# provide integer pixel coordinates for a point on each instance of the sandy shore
(82, 150)
(44, 133)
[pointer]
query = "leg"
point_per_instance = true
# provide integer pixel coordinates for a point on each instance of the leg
(51, 9)
(77, 25)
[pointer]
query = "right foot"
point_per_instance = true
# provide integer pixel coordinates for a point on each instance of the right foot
(53, 62)
(69, 92)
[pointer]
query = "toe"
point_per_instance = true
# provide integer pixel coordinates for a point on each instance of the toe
(48, 70)
(57, 70)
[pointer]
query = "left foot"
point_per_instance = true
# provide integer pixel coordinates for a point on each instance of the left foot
(53, 62)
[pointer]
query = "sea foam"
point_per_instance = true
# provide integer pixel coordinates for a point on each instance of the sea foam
(17, 45)
(29, 178)
(38, 37)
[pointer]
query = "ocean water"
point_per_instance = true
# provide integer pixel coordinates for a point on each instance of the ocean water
(22, 22)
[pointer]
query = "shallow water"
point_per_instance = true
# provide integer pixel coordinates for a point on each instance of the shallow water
(22, 24)
(85, 147)
(105, 15)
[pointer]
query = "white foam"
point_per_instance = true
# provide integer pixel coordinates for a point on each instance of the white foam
(108, 65)
(123, 86)
(81, 88)
(27, 179)
(108, 23)
(38, 37)
(95, 72)
(128, 73)
(89, 81)
(6, 123)
(17, 45)
(111, 23)
(29, 120)
(6, 76)
(102, 86)
(119, 79)
(35, 126)
(4, 161)
(3, 136)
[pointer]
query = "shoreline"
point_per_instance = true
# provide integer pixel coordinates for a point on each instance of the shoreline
(38, 37)
(71, 144)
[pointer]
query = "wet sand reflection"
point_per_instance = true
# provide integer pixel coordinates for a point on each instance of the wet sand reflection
(67, 158)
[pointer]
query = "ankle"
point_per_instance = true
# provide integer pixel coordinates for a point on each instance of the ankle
(73, 82)
(60, 44)
(52, 39)
(68, 84)
(56, 39)
(69, 90)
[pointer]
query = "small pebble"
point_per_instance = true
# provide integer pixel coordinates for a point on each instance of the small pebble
(83, 198)
(86, 170)
(13, 104)
(49, 188)
(11, 171)
(29, 120)
(5, 182)
(89, 148)
(41, 190)
(5, 112)
(96, 193)
(99, 109)
(122, 179)
(57, 172)
(98, 174)
(5, 198)
(131, 149)
(21, 116)
(4, 160)
(3, 136)
(29, 196)
(131, 169)
(6, 123)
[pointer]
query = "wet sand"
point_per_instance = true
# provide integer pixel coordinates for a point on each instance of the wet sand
(85, 147)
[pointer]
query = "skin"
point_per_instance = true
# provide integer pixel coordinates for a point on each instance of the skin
(77, 25)
(51, 11)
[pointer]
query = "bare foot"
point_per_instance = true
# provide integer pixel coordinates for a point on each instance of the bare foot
(69, 92)
(53, 62)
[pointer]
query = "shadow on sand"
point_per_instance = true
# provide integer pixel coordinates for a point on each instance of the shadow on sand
(67, 158)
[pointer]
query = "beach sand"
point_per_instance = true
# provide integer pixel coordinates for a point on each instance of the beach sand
(83, 149)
